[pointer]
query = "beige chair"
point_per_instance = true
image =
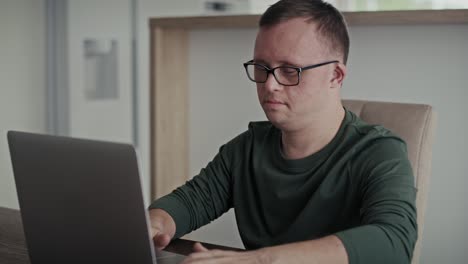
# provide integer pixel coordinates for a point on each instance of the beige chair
(415, 124)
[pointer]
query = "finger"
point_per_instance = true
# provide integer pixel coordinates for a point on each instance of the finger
(215, 257)
(216, 253)
(153, 232)
(161, 241)
(198, 247)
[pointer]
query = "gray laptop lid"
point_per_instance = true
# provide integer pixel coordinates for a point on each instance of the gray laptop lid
(80, 200)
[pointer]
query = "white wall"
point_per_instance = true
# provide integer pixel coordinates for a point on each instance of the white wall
(22, 80)
(104, 21)
(420, 64)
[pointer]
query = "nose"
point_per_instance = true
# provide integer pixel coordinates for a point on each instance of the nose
(271, 84)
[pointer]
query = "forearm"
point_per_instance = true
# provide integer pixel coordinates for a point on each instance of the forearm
(379, 243)
(329, 249)
(200, 200)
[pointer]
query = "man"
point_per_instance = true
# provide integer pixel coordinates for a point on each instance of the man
(315, 184)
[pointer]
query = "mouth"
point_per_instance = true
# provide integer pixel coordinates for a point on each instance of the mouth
(273, 103)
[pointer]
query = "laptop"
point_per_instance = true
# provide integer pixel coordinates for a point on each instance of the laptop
(81, 201)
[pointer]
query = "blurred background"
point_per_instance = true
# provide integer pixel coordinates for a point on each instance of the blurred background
(81, 68)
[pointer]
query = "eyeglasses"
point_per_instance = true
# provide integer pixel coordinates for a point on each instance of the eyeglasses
(284, 75)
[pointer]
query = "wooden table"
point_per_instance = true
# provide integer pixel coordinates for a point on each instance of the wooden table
(13, 245)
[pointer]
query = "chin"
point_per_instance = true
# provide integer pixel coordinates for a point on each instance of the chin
(275, 119)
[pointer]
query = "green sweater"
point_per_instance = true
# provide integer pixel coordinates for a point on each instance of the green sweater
(360, 187)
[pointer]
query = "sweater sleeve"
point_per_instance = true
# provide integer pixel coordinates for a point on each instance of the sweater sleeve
(388, 228)
(206, 196)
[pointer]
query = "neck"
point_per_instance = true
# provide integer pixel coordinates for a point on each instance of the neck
(312, 138)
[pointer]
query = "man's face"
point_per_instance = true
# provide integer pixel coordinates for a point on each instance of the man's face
(295, 43)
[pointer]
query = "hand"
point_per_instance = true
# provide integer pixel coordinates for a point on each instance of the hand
(162, 228)
(160, 239)
(204, 256)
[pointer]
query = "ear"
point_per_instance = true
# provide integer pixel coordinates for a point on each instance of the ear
(339, 73)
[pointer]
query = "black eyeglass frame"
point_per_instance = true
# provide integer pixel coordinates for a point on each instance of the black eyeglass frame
(299, 70)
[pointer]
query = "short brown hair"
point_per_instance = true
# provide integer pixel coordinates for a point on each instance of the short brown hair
(330, 22)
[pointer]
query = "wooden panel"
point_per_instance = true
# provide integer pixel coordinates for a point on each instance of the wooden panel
(169, 109)
(237, 21)
(412, 17)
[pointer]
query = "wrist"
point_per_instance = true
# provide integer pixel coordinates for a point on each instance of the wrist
(162, 221)
(266, 255)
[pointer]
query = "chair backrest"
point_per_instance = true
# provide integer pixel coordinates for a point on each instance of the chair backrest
(415, 124)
